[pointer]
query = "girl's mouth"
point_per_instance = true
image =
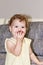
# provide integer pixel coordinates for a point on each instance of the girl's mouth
(20, 32)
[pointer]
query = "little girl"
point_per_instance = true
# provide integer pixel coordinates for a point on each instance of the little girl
(18, 47)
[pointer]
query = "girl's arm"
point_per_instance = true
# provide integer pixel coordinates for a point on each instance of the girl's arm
(34, 58)
(15, 49)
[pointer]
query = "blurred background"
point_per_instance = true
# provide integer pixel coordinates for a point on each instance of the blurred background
(28, 7)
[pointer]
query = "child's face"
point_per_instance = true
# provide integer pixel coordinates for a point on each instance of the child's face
(18, 28)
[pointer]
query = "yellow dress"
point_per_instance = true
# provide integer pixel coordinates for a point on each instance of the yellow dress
(23, 59)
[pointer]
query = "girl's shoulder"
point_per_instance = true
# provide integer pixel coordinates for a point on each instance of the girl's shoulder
(9, 42)
(12, 40)
(28, 39)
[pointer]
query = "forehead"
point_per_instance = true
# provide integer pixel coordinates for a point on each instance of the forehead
(18, 22)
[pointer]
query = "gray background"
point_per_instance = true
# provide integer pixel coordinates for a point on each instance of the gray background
(29, 7)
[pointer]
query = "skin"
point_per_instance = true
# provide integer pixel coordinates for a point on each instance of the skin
(18, 30)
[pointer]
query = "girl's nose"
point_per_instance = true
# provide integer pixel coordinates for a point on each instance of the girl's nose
(19, 29)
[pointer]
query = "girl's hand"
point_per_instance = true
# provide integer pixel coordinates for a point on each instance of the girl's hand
(19, 36)
(40, 63)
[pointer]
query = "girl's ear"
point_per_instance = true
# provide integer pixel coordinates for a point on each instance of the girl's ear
(10, 28)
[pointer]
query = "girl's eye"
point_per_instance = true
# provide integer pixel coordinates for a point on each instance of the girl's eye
(16, 26)
(22, 26)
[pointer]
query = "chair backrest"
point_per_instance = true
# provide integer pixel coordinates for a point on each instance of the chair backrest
(3, 21)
